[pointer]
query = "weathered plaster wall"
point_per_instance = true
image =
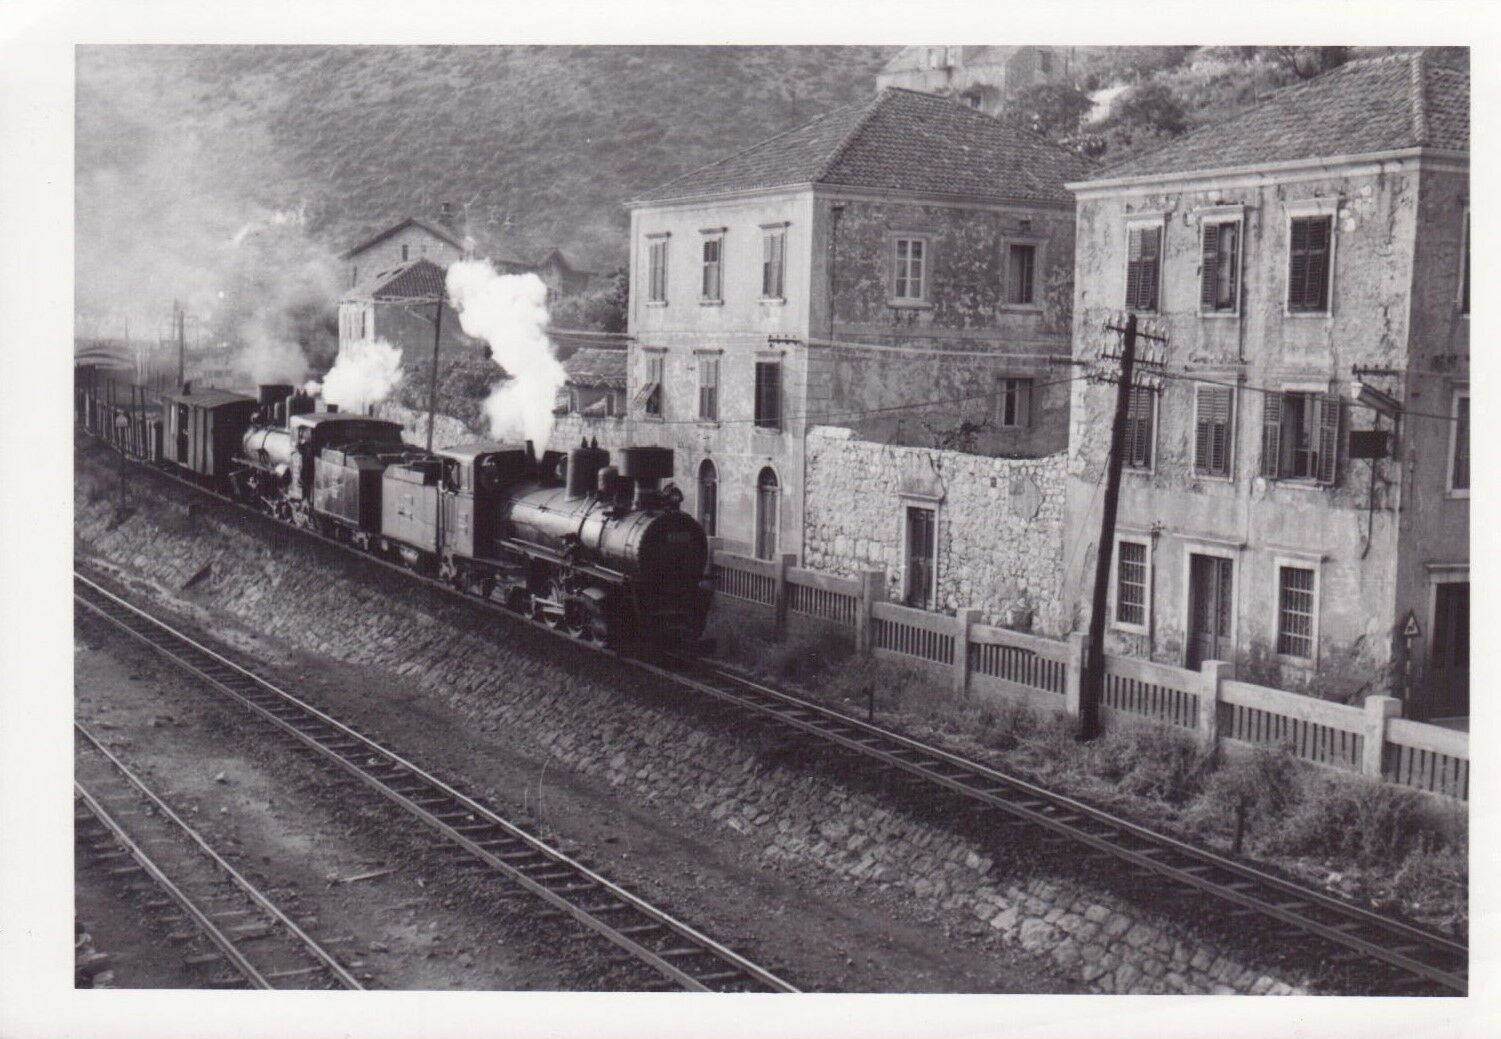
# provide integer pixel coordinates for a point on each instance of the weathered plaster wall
(1254, 521)
(1000, 522)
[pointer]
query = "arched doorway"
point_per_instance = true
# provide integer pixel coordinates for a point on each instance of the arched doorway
(708, 497)
(767, 508)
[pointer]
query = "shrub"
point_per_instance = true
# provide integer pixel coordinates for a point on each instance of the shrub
(1253, 793)
(1435, 875)
(1152, 761)
(1364, 820)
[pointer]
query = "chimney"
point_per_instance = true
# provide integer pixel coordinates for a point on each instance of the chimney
(445, 214)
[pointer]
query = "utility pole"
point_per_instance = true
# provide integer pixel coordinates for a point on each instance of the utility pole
(432, 393)
(1092, 692)
(182, 346)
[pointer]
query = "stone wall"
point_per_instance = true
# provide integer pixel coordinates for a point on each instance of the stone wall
(999, 525)
(585, 716)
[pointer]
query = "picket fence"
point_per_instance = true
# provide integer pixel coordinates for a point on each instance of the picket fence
(1045, 673)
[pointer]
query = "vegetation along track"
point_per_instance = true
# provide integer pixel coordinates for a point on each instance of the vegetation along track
(125, 828)
(681, 955)
(1409, 958)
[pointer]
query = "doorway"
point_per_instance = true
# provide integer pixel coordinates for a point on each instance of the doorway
(1449, 658)
(1210, 599)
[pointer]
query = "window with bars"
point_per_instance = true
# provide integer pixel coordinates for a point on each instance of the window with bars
(1300, 436)
(911, 269)
(1021, 265)
(1295, 611)
(1459, 448)
(1143, 266)
(768, 395)
(712, 288)
(708, 389)
(1219, 275)
(1140, 425)
(1014, 403)
(1212, 430)
(1308, 264)
(656, 283)
(773, 255)
(1131, 583)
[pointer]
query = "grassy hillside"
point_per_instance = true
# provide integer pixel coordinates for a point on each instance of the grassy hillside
(539, 144)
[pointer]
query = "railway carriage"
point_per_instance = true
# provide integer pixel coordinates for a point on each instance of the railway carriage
(201, 432)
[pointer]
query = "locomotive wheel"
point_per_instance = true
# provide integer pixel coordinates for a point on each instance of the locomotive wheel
(516, 599)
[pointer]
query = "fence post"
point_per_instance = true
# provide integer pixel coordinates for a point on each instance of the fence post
(963, 621)
(779, 624)
(1373, 732)
(871, 582)
(1212, 673)
(1073, 676)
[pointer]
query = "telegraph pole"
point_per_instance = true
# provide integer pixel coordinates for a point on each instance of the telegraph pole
(432, 393)
(1092, 691)
(182, 346)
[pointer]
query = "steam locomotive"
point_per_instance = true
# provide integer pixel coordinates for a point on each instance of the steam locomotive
(600, 551)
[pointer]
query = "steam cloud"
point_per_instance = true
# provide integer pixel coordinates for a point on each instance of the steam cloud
(509, 311)
(365, 373)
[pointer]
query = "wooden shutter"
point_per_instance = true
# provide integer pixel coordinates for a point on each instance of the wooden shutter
(1209, 255)
(1328, 438)
(1139, 428)
(1271, 435)
(1133, 266)
(1023, 403)
(1318, 264)
(1212, 430)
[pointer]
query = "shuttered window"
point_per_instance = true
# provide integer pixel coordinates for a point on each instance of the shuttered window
(1295, 611)
(1219, 277)
(1212, 430)
(1464, 276)
(650, 394)
(768, 395)
(1143, 263)
(1140, 414)
(1459, 467)
(773, 253)
(708, 497)
(1014, 404)
(708, 389)
(713, 278)
(1021, 262)
(1300, 436)
(1308, 264)
(656, 285)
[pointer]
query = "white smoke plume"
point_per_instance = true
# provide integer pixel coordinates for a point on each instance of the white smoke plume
(365, 373)
(509, 311)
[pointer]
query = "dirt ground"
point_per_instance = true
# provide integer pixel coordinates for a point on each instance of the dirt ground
(425, 926)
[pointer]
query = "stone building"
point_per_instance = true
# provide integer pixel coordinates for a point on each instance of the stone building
(406, 240)
(1295, 497)
(396, 304)
(981, 77)
(900, 267)
(560, 276)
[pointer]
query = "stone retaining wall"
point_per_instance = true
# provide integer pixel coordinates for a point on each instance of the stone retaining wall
(304, 596)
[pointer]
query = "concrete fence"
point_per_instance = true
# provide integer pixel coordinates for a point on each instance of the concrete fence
(982, 660)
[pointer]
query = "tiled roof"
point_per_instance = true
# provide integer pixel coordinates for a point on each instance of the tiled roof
(592, 366)
(900, 140)
(1373, 105)
(412, 279)
(380, 236)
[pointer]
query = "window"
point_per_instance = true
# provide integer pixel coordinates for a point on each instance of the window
(1143, 260)
(1308, 264)
(1045, 62)
(1219, 274)
(768, 395)
(922, 556)
(1300, 436)
(766, 514)
(1464, 271)
(911, 271)
(1140, 413)
(1459, 446)
(656, 281)
(1131, 583)
(712, 290)
(1295, 611)
(1212, 430)
(1021, 264)
(1014, 403)
(650, 394)
(404, 250)
(708, 497)
(708, 389)
(773, 253)
(354, 275)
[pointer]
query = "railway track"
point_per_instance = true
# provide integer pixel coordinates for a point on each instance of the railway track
(1412, 958)
(682, 956)
(125, 828)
